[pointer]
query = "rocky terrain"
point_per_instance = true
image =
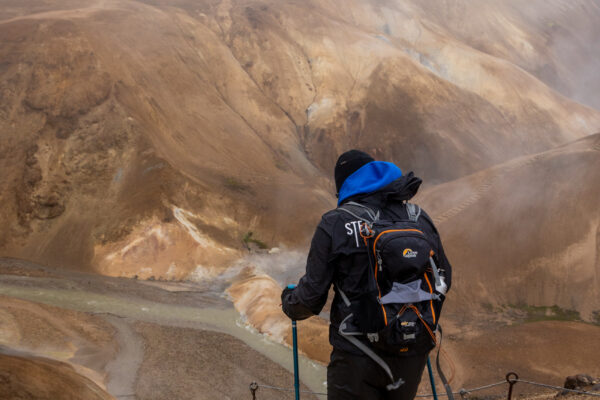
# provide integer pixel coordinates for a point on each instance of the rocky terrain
(117, 113)
(539, 244)
(67, 335)
(38, 378)
(189, 145)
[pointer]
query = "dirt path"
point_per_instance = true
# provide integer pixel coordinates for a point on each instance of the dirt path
(122, 370)
(486, 185)
(126, 301)
(81, 12)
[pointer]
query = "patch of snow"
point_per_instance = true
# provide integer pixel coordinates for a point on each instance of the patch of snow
(182, 216)
(171, 271)
(134, 243)
(381, 37)
(199, 274)
(229, 221)
(322, 106)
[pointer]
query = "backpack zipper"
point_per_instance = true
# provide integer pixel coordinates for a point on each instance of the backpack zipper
(378, 263)
(430, 300)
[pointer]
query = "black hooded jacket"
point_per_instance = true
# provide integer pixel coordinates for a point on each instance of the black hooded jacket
(339, 256)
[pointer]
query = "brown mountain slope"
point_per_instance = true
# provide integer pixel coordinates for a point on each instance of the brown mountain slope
(526, 232)
(147, 137)
(543, 351)
(62, 343)
(387, 79)
(554, 40)
(31, 378)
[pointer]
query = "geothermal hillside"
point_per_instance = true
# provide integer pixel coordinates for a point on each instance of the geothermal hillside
(125, 123)
(193, 141)
(541, 231)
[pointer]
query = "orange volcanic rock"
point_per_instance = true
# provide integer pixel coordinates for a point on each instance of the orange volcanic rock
(116, 113)
(31, 378)
(258, 299)
(73, 340)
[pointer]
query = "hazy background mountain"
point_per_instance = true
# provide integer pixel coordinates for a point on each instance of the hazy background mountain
(540, 240)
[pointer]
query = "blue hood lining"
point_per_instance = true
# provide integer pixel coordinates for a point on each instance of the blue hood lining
(369, 178)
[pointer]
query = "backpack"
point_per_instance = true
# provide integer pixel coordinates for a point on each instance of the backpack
(399, 310)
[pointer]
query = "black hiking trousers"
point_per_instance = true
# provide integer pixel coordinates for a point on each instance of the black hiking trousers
(358, 377)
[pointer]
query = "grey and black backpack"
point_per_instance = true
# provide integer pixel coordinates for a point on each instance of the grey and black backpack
(400, 310)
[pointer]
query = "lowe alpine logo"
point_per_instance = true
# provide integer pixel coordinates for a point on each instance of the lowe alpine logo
(408, 253)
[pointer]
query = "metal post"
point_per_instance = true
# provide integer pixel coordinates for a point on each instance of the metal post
(296, 372)
(511, 378)
(253, 387)
(431, 379)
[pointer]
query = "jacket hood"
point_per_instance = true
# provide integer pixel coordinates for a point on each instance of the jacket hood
(369, 178)
(388, 187)
(403, 188)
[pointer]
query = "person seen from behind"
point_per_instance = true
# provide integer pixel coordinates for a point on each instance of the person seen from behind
(390, 276)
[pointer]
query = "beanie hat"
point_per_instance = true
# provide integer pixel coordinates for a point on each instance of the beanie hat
(347, 164)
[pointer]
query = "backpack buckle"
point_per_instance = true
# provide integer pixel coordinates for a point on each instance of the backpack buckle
(373, 337)
(366, 230)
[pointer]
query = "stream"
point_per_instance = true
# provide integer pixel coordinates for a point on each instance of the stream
(222, 319)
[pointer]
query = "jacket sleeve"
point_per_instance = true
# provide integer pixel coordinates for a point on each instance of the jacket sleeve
(309, 297)
(442, 259)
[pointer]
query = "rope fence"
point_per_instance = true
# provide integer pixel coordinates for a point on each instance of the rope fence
(462, 392)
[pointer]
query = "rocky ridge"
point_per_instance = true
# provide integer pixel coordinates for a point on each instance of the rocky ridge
(116, 113)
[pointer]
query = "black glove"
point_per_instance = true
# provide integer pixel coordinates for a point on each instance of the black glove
(292, 307)
(285, 293)
(285, 296)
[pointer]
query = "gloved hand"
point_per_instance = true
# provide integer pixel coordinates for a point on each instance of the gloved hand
(286, 292)
(285, 297)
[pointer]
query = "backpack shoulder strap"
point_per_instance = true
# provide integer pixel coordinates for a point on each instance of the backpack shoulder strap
(414, 212)
(360, 211)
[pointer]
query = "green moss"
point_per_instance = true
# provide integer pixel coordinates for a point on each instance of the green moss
(234, 184)
(281, 166)
(596, 317)
(544, 313)
(247, 239)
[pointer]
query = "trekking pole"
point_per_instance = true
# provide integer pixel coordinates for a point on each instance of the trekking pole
(431, 380)
(296, 373)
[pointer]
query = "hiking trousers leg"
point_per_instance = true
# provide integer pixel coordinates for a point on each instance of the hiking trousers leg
(358, 377)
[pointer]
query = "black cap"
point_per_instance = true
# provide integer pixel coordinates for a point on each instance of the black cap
(349, 163)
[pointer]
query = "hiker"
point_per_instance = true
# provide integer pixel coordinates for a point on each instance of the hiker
(385, 308)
